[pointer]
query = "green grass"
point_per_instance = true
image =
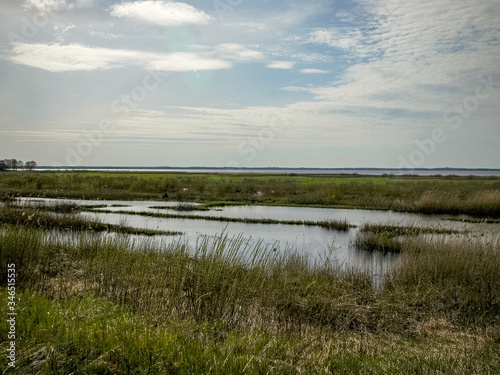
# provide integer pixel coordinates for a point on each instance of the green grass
(90, 304)
(91, 335)
(64, 217)
(389, 238)
(477, 196)
(341, 225)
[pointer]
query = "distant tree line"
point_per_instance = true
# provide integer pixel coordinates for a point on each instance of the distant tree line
(15, 165)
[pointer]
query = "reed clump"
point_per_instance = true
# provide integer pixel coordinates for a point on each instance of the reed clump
(383, 242)
(390, 238)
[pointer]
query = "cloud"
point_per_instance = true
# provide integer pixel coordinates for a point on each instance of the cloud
(228, 51)
(344, 39)
(418, 61)
(75, 57)
(238, 52)
(45, 5)
(106, 35)
(164, 13)
(281, 65)
(314, 71)
(185, 61)
(50, 6)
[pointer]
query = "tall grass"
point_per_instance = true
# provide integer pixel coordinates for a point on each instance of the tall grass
(101, 304)
(458, 275)
(237, 283)
(481, 203)
(226, 280)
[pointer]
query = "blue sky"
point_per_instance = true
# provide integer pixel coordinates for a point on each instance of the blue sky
(286, 83)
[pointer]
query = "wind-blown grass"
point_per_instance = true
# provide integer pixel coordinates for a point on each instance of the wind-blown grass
(94, 304)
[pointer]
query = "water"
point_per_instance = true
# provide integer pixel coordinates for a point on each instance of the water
(314, 242)
(299, 171)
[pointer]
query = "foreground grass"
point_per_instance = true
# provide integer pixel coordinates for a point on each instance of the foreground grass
(477, 196)
(94, 336)
(91, 304)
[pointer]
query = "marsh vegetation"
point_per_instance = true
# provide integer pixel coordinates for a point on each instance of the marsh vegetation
(477, 196)
(93, 302)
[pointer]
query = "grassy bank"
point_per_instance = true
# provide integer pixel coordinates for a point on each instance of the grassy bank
(89, 304)
(341, 225)
(64, 217)
(477, 196)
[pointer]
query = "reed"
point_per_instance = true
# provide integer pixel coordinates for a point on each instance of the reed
(389, 238)
(90, 303)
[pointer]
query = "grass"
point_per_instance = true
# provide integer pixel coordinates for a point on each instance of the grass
(182, 206)
(64, 217)
(341, 225)
(477, 196)
(92, 304)
(388, 238)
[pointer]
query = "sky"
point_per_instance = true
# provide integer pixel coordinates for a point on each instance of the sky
(260, 83)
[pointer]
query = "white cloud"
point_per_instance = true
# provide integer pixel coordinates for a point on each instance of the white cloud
(186, 61)
(50, 6)
(238, 52)
(314, 71)
(229, 51)
(45, 5)
(281, 65)
(337, 38)
(418, 59)
(75, 57)
(164, 13)
(105, 35)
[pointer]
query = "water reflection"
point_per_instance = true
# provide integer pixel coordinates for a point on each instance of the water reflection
(315, 243)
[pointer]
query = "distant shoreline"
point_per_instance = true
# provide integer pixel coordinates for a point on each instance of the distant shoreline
(300, 170)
